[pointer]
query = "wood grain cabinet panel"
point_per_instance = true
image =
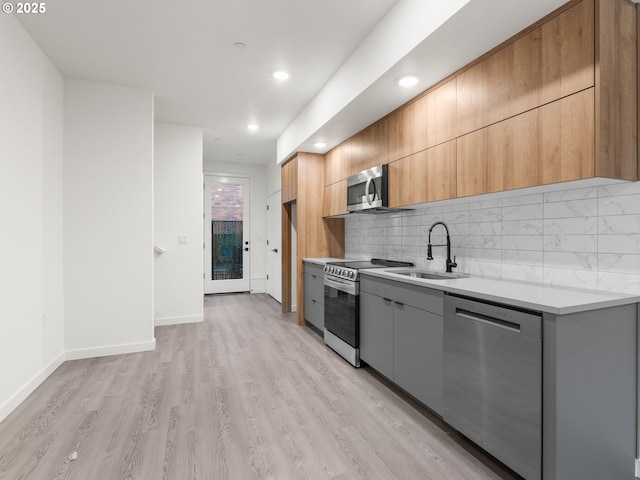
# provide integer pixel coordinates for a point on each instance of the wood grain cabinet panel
(337, 163)
(369, 148)
(550, 144)
(335, 199)
(552, 61)
(616, 104)
(303, 183)
(428, 121)
(289, 180)
(426, 176)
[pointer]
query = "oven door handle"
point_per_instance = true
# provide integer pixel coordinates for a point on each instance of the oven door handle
(351, 288)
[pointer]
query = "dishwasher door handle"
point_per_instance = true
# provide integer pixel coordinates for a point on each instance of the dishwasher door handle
(494, 322)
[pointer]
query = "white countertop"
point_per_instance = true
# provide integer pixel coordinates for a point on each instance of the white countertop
(322, 261)
(533, 296)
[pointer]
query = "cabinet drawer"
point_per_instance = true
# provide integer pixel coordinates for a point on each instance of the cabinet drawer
(314, 269)
(314, 287)
(419, 297)
(314, 312)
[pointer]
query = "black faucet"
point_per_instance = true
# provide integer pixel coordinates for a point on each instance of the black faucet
(450, 264)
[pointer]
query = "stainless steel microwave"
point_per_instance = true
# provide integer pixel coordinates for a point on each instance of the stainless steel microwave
(368, 190)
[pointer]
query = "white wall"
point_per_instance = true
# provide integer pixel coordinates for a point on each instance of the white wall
(274, 179)
(108, 219)
(258, 175)
(576, 236)
(31, 302)
(178, 208)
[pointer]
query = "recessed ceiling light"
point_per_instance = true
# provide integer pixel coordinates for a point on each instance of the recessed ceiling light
(252, 127)
(319, 144)
(409, 81)
(281, 75)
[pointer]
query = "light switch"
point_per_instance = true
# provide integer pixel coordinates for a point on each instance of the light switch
(183, 239)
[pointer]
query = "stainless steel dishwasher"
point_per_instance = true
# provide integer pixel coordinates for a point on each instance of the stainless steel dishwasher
(493, 380)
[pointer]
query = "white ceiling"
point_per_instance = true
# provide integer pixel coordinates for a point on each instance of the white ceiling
(184, 52)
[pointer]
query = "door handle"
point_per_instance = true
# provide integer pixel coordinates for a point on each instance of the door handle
(366, 190)
(275, 250)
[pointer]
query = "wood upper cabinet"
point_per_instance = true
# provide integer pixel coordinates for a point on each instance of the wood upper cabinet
(550, 144)
(551, 61)
(335, 199)
(337, 163)
(617, 100)
(557, 102)
(424, 123)
(369, 148)
(289, 180)
(590, 133)
(425, 176)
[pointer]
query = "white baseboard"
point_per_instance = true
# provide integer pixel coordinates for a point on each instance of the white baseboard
(111, 350)
(18, 397)
(164, 321)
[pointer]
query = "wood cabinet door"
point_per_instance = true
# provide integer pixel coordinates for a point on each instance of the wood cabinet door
(550, 144)
(369, 148)
(428, 121)
(289, 179)
(426, 176)
(337, 163)
(335, 199)
(548, 63)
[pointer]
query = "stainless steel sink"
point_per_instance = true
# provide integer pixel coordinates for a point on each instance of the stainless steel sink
(432, 275)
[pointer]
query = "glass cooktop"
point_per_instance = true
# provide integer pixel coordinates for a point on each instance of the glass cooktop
(373, 263)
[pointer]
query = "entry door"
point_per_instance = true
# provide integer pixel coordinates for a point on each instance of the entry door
(226, 238)
(274, 246)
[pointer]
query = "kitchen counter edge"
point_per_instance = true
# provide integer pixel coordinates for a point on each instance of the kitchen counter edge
(322, 261)
(542, 297)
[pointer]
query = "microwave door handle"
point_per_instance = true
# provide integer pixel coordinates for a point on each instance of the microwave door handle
(366, 190)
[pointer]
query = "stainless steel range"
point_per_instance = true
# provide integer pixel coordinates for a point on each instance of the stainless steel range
(342, 304)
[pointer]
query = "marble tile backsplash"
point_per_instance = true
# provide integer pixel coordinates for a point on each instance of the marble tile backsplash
(579, 237)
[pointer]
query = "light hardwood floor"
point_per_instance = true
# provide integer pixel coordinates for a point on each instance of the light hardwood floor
(247, 394)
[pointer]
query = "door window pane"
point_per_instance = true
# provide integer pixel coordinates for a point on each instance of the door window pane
(226, 231)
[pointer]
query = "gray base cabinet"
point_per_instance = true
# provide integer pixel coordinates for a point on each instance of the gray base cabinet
(589, 394)
(589, 372)
(401, 336)
(376, 333)
(417, 354)
(314, 295)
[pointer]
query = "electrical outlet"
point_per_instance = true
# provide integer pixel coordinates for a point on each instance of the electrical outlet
(183, 239)
(556, 240)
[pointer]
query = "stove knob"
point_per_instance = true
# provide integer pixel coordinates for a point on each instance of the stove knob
(352, 275)
(338, 271)
(332, 269)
